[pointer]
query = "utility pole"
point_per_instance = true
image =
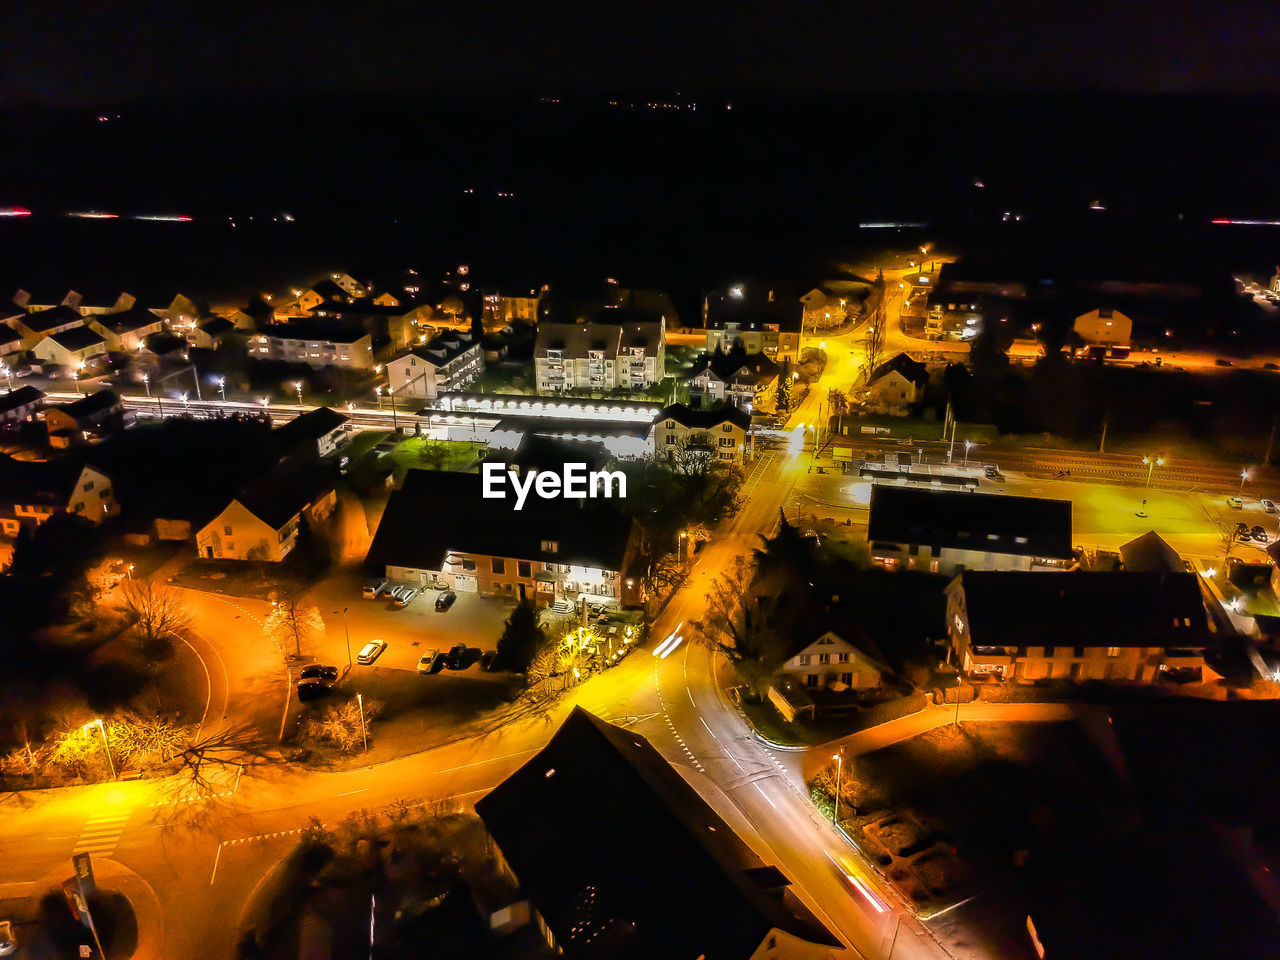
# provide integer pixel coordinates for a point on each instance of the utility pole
(1266, 460)
(1102, 444)
(839, 759)
(347, 630)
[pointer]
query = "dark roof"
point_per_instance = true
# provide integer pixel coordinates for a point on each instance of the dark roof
(912, 370)
(363, 307)
(440, 350)
(1150, 553)
(42, 320)
(329, 290)
(19, 398)
(125, 320)
(548, 453)
(309, 427)
(77, 338)
(162, 342)
(88, 406)
(1120, 609)
(753, 313)
(8, 335)
(703, 419)
(282, 492)
(436, 512)
(48, 482)
(992, 523)
(727, 365)
(303, 330)
(259, 310)
(623, 859)
(216, 326)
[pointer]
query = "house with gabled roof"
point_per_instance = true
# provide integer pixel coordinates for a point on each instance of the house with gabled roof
(125, 329)
(313, 343)
(18, 406)
(448, 362)
(212, 333)
(71, 348)
(10, 340)
(740, 378)
(674, 880)
(315, 434)
(33, 491)
(897, 384)
(261, 523)
(754, 318)
(722, 432)
(832, 662)
(39, 324)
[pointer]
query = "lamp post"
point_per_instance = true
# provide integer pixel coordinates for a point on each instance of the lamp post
(363, 729)
(129, 570)
(105, 747)
(1152, 463)
(959, 681)
(75, 375)
(967, 445)
(146, 383)
(378, 390)
(839, 759)
(222, 389)
(1244, 475)
(347, 631)
(8, 375)
(297, 385)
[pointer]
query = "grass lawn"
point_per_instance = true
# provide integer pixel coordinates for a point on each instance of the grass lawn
(424, 454)
(363, 442)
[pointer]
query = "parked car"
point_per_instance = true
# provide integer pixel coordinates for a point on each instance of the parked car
(1268, 506)
(8, 939)
(427, 662)
(371, 651)
(313, 690)
(445, 600)
(992, 472)
(1242, 533)
(1223, 362)
(405, 598)
(374, 587)
(1259, 534)
(457, 654)
(395, 593)
(487, 658)
(317, 672)
(1235, 503)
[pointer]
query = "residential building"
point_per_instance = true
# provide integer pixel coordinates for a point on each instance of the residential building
(71, 348)
(599, 356)
(10, 341)
(740, 378)
(126, 329)
(212, 333)
(256, 315)
(674, 881)
(164, 345)
(401, 323)
(314, 435)
(828, 306)
(945, 531)
(82, 304)
(96, 412)
(263, 521)
(1105, 332)
(35, 326)
(1151, 553)
(317, 345)
(20, 406)
(755, 321)
(1027, 626)
(831, 662)
(33, 491)
(438, 529)
(448, 362)
(722, 432)
(896, 385)
(505, 305)
(953, 316)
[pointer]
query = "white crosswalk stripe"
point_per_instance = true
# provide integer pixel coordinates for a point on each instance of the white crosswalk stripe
(102, 832)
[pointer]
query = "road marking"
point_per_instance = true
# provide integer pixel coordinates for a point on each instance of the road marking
(476, 763)
(766, 796)
(350, 793)
(102, 832)
(709, 730)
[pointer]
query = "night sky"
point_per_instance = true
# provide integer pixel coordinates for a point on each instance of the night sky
(90, 52)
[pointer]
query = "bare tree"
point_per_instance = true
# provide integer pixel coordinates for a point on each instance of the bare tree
(157, 610)
(290, 623)
(734, 624)
(341, 724)
(874, 335)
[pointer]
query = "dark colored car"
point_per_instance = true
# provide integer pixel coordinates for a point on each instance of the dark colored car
(1242, 532)
(318, 672)
(1259, 534)
(313, 690)
(456, 655)
(487, 658)
(445, 600)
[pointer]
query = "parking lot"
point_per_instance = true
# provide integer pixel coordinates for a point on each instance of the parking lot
(409, 631)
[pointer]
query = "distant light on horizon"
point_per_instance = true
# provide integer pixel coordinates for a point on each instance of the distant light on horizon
(163, 217)
(94, 215)
(1227, 221)
(14, 212)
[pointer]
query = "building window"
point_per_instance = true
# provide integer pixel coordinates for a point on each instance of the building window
(727, 428)
(88, 486)
(811, 680)
(1079, 652)
(524, 569)
(1113, 651)
(226, 530)
(550, 546)
(846, 679)
(842, 658)
(803, 660)
(468, 564)
(824, 658)
(499, 565)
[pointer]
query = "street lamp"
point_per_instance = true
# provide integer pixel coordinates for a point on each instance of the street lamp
(1152, 463)
(297, 385)
(183, 397)
(967, 445)
(839, 759)
(8, 374)
(378, 391)
(1244, 475)
(222, 388)
(105, 748)
(146, 383)
(959, 681)
(75, 375)
(265, 401)
(129, 570)
(364, 730)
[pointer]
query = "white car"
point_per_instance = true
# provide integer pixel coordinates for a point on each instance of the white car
(371, 651)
